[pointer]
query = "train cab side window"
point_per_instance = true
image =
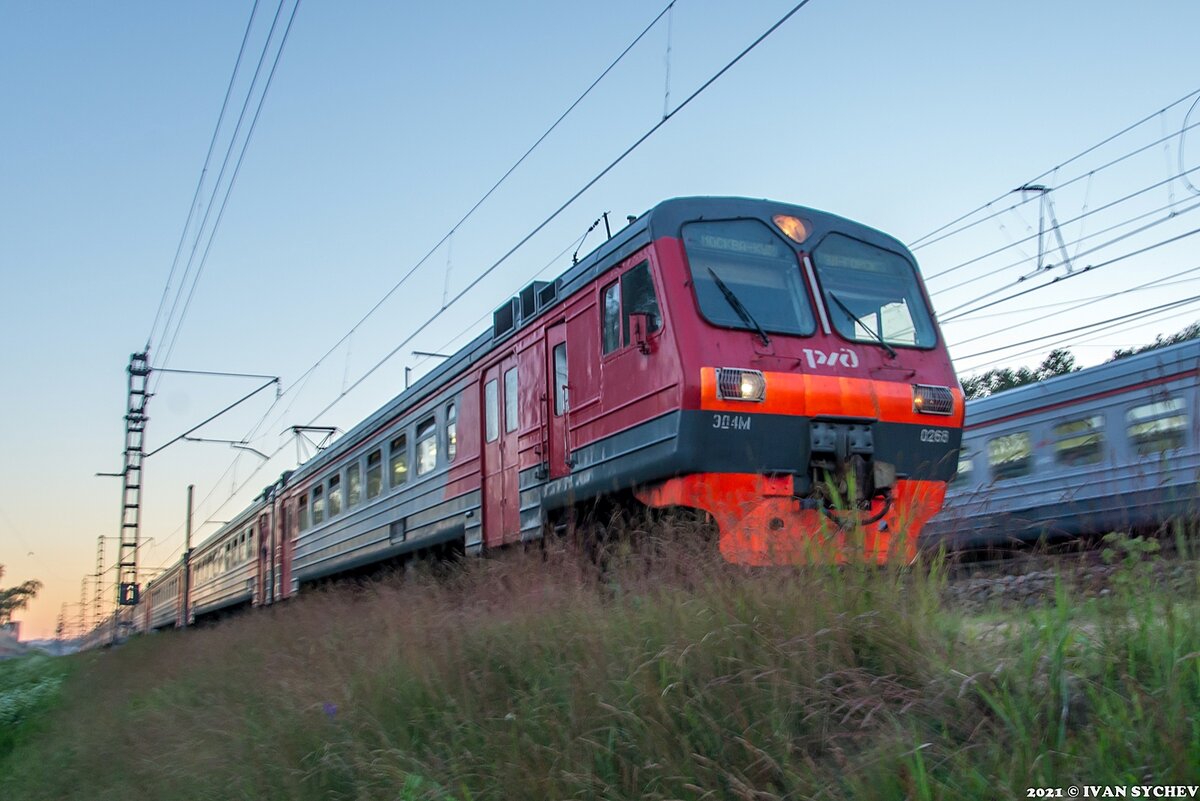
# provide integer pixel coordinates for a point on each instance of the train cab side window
(353, 485)
(1079, 442)
(637, 295)
(510, 400)
(318, 504)
(611, 326)
(560, 379)
(426, 446)
(374, 473)
(492, 412)
(1010, 456)
(302, 513)
(399, 453)
(451, 432)
(1157, 427)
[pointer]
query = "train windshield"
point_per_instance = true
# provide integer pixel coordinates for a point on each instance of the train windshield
(872, 294)
(742, 263)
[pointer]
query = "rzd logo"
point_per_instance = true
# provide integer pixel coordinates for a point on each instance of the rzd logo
(844, 357)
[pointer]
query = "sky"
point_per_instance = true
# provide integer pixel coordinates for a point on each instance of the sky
(385, 123)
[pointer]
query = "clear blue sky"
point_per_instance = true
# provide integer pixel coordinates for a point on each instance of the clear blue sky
(386, 121)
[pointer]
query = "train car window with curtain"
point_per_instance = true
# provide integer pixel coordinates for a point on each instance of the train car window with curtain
(610, 327)
(353, 485)
(302, 513)
(510, 400)
(492, 411)
(335, 495)
(1157, 427)
(1010, 456)
(637, 295)
(318, 504)
(399, 458)
(1079, 442)
(743, 262)
(451, 432)
(966, 467)
(426, 446)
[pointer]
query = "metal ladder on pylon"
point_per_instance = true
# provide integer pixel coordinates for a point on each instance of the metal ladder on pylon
(131, 496)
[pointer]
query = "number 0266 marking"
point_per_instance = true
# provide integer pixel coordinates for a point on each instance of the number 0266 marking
(731, 422)
(935, 435)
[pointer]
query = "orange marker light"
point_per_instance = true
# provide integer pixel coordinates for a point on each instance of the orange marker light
(794, 228)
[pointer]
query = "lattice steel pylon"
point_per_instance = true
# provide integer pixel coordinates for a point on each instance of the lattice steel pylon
(98, 585)
(131, 490)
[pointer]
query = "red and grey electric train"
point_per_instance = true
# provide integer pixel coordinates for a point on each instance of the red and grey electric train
(747, 359)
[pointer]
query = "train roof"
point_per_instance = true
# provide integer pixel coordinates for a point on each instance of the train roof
(1069, 387)
(663, 220)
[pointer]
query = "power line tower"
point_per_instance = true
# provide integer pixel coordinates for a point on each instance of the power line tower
(98, 587)
(131, 492)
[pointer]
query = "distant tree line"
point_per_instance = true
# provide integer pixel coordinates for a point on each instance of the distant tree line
(1058, 362)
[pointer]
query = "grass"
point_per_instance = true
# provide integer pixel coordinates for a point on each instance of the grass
(29, 689)
(525, 677)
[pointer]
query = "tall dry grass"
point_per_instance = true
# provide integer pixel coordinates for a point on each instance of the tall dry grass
(665, 675)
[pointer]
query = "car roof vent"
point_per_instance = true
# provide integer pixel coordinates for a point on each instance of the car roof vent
(529, 297)
(504, 319)
(547, 294)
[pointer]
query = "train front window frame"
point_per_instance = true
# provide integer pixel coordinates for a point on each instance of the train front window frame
(879, 287)
(745, 263)
(610, 315)
(639, 297)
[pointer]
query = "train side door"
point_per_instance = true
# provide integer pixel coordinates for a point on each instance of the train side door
(501, 500)
(557, 401)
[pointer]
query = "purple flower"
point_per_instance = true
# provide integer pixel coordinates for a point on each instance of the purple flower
(330, 710)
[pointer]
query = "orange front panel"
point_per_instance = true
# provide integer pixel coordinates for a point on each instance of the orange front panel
(813, 395)
(762, 524)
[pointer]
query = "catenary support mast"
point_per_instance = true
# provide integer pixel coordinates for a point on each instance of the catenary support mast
(131, 491)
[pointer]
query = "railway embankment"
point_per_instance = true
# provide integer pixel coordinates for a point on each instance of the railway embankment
(529, 677)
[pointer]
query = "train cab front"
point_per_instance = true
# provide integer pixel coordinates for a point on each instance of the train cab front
(822, 417)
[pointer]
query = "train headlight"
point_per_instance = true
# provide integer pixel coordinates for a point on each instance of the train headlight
(793, 228)
(929, 399)
(744, 385)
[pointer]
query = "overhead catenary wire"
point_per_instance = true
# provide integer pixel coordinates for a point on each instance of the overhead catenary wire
(233, 178)
(1059, 279)
(538, 228)
(921, 241)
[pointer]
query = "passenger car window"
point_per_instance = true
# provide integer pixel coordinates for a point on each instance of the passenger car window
(353, 484)
(318, 504)
(1079, 442)
(1156, 427)
(966, 466)
(335, 495)
(426, 446)
(374, 473)
(451, 432)
(610, 327)
(302, 513)
(399, 459)
(1010, 456)
(637, 296)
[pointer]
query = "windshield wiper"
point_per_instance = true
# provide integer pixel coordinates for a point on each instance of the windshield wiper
(890, 350)
(737, 306)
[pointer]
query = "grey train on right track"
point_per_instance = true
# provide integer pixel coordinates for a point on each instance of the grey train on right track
(1114, 447)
